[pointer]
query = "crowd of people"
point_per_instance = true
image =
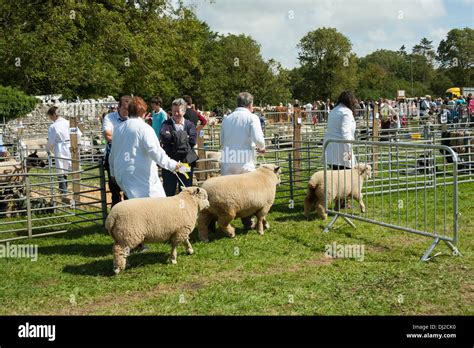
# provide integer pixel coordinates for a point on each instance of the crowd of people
(139, 141)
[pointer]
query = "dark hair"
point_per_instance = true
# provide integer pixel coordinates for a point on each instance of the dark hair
(156, 100)
(347, 99)
(188, 99)
(52, 110)
(124, 99)
(137, 107)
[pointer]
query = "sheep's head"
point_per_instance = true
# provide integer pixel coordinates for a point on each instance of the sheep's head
(33, 160)
(199, 195)
(365, 170)
(275, 170)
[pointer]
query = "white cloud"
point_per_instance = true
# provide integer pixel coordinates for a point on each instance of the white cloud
(278, 25)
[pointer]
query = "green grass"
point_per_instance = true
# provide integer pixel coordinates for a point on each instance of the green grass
(284, 272)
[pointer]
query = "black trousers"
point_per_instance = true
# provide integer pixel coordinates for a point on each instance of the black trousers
(337, 167)
(170, 181)
(114, 188)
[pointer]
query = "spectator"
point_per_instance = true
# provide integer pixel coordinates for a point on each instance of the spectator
(158, 116)
(239, 132)
(112, 121)
(59, 142)
(191, 114)
(341, 126)
(178, 136)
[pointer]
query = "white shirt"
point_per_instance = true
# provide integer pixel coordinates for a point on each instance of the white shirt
(240, 132)
(341, 126)
(59, 141)
(111, 121)
(308, 107)
(134, 157)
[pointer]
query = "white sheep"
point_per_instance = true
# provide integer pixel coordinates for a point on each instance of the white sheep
(142, 220)
(11, 170)
(39, 145)
(213, 162)
(341, 184)
(242, 195)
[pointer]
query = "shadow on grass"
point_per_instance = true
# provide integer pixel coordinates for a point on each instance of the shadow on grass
(88, 250)
(218, 235)
(104, 268)
(77, 231)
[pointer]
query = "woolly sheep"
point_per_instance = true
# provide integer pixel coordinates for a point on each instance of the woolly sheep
(213, 162)
(341, 184)
(241, 195)
(10, 170)
(143, 220)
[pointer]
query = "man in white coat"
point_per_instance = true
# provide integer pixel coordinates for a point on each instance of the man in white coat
(241, 132)
(59, 142)
(135, 154)
(241, 135)
(341, 126)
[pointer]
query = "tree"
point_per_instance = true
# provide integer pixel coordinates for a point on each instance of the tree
(456, 56)
(425, 49)
(327, 64)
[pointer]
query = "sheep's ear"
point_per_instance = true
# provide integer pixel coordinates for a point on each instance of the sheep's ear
(277, 168)
(197, 191)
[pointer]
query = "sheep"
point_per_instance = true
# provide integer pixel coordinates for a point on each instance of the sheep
(241, 195)
(10, 170)
(341, 184)
(213, 162)
(459, 141)
(39, 145)
(152, 219)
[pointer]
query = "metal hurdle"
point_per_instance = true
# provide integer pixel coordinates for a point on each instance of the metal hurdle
(406, 178)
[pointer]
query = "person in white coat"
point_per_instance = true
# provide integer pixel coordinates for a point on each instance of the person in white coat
(59, 143)
(241, 135)
(135, 154)
(341, 126)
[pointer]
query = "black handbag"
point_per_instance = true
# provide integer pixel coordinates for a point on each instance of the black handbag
(182, 150)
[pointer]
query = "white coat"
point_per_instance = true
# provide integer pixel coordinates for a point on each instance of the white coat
(133, 159)
(341, 126)
(59, 142)
(240, 133)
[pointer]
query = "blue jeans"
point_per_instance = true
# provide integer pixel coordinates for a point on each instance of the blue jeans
(63, 184)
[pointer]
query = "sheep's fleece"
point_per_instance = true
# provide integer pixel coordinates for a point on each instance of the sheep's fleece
(143, 220)
(341, 184)
(241, 195)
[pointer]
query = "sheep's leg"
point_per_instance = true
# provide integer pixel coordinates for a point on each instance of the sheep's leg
(359, 199)
(309, 202)
(204, 220)
(120, 257)
(321, 211)
(174, 251)
(189, 247)
(224, 225)
(266, 225)
(261, 214)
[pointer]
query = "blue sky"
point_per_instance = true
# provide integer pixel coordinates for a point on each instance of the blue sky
(278, 25)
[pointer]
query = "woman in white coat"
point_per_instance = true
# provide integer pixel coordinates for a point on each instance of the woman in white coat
(341, 126)
(59, 142)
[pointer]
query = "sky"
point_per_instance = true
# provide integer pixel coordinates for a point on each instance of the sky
(278, 25)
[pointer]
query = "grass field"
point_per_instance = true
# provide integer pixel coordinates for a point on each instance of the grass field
(284, 272)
